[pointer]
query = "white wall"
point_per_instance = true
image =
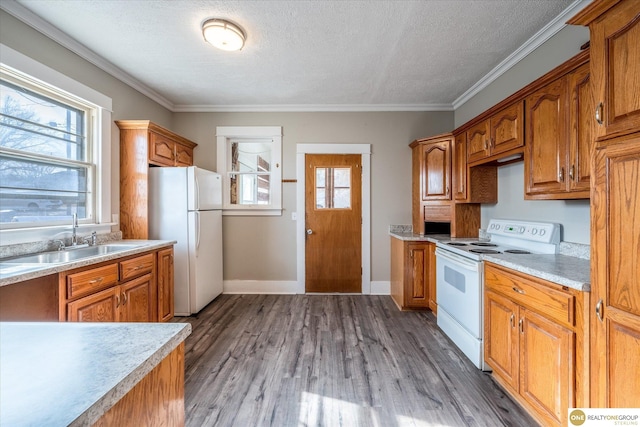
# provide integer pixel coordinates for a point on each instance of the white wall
(573, 215)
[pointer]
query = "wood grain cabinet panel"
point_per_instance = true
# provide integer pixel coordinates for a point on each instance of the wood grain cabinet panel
(499, 134)
(559, 138)
(459, 169)
(412, 274)
(436, 166)
(165, 284)
(137, 288)
(144, 143)
(531, 345)
(615, 222)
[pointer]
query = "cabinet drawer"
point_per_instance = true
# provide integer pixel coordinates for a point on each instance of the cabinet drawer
(437, 212)
(136, 266)
(86, 282)
(552, 303)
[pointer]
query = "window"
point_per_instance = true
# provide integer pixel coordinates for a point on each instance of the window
(249, 159)
(52, 163)
(333, 188)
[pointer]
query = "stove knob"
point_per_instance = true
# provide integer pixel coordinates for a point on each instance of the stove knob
(534, 231)
(521, 230)
(543, 232)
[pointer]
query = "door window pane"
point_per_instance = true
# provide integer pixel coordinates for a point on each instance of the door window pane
(333, 188)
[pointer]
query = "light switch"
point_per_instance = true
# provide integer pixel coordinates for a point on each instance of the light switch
(294, 216)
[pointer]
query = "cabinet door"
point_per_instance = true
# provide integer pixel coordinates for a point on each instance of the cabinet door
(547, 372)
(615, 66)
(136, 300)
(460, 167)
(506, 129)
(581, 130)
(615, 294)
(501, 337)
(478, 142)
(184, 155)
(99, 307)
(417, 280)
(161, 150)
(165, 285)
(546, 154)
(436, 164)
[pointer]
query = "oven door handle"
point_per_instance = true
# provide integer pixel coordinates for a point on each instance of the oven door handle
(459, 260)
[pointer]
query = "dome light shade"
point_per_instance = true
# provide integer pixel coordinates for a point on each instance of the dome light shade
(223, 34)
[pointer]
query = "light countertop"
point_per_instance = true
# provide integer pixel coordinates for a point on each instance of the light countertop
(60, 374)
(565, 270)
(10, 274)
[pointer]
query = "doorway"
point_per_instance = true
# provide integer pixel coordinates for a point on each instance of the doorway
(364, 152)
(333, 219)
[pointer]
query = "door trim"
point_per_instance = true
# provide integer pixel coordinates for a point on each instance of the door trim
(365, 151)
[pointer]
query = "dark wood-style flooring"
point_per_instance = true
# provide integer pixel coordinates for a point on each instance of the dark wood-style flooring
(315, 360)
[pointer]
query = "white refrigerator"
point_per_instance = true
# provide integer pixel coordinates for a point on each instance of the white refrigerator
(185, 205)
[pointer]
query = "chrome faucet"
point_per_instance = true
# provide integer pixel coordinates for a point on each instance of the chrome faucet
(92, 240)
(74, 227)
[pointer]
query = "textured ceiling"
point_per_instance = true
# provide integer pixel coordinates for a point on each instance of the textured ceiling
(412, 54)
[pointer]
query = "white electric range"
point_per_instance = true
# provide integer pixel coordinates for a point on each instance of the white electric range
(460, 281)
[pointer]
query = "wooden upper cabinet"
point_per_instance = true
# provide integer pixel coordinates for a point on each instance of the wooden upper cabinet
(580, 130)
(615, 64)
(459, 169)
(436, 165)
(143, 143)
(506, 128)
(546, 136)
(500, 133)
(559, 135)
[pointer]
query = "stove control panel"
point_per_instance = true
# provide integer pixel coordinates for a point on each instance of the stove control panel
(543, 232)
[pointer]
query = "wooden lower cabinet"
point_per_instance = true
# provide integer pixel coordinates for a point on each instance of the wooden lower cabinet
(413, 274)
(535, 335)
(138, 288)
(165, 284)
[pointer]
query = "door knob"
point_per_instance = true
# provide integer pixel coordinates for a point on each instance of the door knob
(309, 231)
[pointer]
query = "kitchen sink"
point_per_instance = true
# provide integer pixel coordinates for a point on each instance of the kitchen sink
(59, 257)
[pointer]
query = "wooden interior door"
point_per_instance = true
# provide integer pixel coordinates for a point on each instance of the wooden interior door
(333, 223)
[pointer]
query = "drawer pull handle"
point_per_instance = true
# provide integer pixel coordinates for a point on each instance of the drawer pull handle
(124, 298)
(521, 324)
(97, 280)
(117, 300)
(520, 291)
(572, 173)
(599, 310)
(138, 267)
(512, 320)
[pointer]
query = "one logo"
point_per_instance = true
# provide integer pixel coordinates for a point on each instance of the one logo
(577, 417)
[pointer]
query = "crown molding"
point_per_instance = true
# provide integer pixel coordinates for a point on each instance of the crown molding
(548, 31)
(31, 19)
(296, 108)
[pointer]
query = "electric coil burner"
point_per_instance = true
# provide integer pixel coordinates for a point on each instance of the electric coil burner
(459, 277)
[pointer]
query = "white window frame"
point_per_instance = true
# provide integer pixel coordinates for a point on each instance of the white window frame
(224, 136)
(15, 64)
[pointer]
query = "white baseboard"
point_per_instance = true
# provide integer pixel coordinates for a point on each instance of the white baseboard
(260, 287)
(381, 287)
(286, 287)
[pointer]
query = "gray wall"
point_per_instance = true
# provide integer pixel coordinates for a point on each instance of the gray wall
(264, 248)
(573, 215)
(128, 103)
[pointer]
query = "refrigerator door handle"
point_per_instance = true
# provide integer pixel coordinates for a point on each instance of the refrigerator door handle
(197, 191)
(197, 232)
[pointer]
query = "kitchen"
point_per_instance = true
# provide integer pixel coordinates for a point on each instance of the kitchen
(274, 239)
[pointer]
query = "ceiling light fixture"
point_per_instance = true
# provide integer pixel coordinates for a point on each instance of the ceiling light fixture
(223, 34)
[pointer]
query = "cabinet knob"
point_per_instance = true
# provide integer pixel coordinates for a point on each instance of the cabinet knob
(599, 114)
